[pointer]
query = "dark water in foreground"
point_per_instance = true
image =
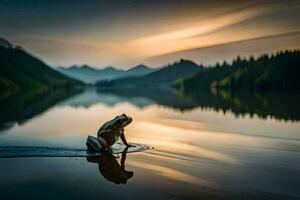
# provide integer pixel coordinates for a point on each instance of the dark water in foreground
(206, 146)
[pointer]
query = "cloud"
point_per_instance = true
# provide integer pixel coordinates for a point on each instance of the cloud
(229, 50)
(129, 34)
(208, 32)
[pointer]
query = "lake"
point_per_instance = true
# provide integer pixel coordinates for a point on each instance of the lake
(206, 146)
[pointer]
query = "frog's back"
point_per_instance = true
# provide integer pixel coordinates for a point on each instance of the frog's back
(107, 126)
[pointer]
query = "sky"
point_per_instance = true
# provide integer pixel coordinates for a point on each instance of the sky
(125, 33)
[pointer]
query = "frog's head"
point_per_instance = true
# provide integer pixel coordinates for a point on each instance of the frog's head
(122, 120)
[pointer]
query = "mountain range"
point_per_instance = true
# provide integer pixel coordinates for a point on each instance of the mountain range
(163, 77)
(91, 75)
(20, 70)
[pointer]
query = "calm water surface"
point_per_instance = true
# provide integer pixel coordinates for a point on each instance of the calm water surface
(199, 152)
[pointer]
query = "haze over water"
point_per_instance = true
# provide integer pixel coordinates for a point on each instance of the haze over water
(199, 152)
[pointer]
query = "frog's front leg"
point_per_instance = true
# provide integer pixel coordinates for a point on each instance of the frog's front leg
(123, 138)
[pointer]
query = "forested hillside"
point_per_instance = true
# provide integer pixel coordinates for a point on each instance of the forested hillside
(21, 71)
(276, 72)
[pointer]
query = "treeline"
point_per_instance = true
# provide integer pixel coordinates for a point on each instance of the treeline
(267, 72)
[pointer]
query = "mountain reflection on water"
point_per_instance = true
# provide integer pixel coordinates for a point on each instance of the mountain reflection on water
(283, 106)
(23, 106)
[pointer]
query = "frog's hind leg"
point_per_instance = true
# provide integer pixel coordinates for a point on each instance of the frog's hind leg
(93, 144)
(89, 147)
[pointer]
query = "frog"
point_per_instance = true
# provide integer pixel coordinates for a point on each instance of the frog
(109, 133)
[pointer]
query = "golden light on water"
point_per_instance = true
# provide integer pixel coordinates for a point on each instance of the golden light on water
(191, 148)
(172, 174)
(175, 139)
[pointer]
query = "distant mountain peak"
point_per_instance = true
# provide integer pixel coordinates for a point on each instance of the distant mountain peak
(73, 67)
(5, 43)
(139, 68)
(86, 67)
(109, 68)
(112, 69)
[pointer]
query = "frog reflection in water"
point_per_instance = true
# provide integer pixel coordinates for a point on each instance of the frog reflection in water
(110, 168)
(109, 133)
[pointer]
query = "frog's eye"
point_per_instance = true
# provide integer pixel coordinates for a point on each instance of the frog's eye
(124, 115)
